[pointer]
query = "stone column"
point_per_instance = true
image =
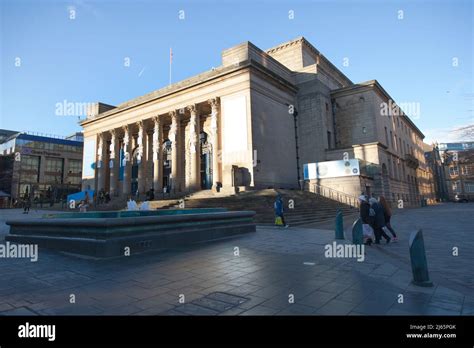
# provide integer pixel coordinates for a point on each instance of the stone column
(216, 177)
(127, 168)
(100, 162)
(157, 153)
(194, 155)
(173, 137)
(114, 164)
(141, 158)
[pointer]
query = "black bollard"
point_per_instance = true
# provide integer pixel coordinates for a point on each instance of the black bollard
(339, 225)
(419, 264)
(357, 236)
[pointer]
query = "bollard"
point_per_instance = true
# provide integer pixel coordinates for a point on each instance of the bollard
(419, 265)
(357, 236)
(339, 225)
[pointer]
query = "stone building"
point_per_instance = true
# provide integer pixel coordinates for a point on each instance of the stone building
(46, 167)
(458, 167)
(254, 122)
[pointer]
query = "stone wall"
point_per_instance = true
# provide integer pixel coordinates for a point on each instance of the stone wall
(273, 135)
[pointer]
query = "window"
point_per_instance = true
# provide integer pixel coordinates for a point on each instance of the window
(464, 170)
(456, 187)
(29, 178)
(454, 171)
(52, 179)
(74, 180)
(30, 162)
(329, 140)
(386, 136)
(75, 166)
(391, 139)
(54, 164)
(469, 187)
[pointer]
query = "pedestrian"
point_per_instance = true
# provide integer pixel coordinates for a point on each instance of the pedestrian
(388, 215)
(86, 198)
(378, 221)
(27, 204)
(151, 196)
(279, 212)
(82, 207)
(364, 211)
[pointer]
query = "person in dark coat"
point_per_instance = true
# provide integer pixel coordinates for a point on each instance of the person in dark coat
(388, 215)
(27, 203)
(379, 221)
(364, 210)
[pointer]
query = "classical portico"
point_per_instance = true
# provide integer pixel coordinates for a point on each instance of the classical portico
(162, 152)
(252, 122)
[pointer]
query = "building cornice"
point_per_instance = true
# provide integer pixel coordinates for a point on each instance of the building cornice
(187, 84)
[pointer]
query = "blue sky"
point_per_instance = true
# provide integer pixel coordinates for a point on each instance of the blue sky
(82, 59)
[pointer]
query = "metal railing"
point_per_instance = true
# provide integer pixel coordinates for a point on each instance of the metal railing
(335, 195)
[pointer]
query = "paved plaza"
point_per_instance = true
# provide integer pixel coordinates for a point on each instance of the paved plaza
(271, 272)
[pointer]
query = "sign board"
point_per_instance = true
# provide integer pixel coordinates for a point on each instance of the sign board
(331, 169)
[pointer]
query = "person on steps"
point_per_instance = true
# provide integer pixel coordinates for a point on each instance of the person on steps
(278, 207)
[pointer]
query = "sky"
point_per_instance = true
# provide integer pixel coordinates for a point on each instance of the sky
(111, 51)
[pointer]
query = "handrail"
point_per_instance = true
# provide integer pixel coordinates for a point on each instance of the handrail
(333, 194)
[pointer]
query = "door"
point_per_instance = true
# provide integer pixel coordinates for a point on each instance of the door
(206, 177)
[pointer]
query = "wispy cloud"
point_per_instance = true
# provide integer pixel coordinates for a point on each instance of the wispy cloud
(448, 134)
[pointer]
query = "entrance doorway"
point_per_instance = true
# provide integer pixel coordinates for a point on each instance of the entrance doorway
(206, 162)
(134, 178)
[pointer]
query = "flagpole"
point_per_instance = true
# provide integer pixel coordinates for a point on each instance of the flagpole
(171, 59)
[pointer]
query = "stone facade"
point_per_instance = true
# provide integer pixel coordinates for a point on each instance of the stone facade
(252, 122)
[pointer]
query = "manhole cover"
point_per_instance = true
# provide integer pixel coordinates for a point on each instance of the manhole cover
(212, 304)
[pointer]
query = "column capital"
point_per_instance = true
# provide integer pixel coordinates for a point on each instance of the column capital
(173, 114)
(192, 108)
(140, 124)
(214, 102)
(156, 120)
(126, 134)
(113, 132)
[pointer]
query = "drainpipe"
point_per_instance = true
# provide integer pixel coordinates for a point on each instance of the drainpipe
(295, 120)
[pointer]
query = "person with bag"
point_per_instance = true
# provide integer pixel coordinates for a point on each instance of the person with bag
(278, 207)
(387, 215)
(379, 221)
(364, 210)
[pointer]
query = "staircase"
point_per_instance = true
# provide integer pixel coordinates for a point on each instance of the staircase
(308, 208)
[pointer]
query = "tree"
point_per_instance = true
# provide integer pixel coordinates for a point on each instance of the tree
(465, 133)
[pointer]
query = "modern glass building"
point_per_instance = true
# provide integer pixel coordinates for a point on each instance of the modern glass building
(46, 167)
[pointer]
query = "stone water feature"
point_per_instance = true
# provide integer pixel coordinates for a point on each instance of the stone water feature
(116, 233)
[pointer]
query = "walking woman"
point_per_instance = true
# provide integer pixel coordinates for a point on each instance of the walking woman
(379, 221)
(387, 214)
